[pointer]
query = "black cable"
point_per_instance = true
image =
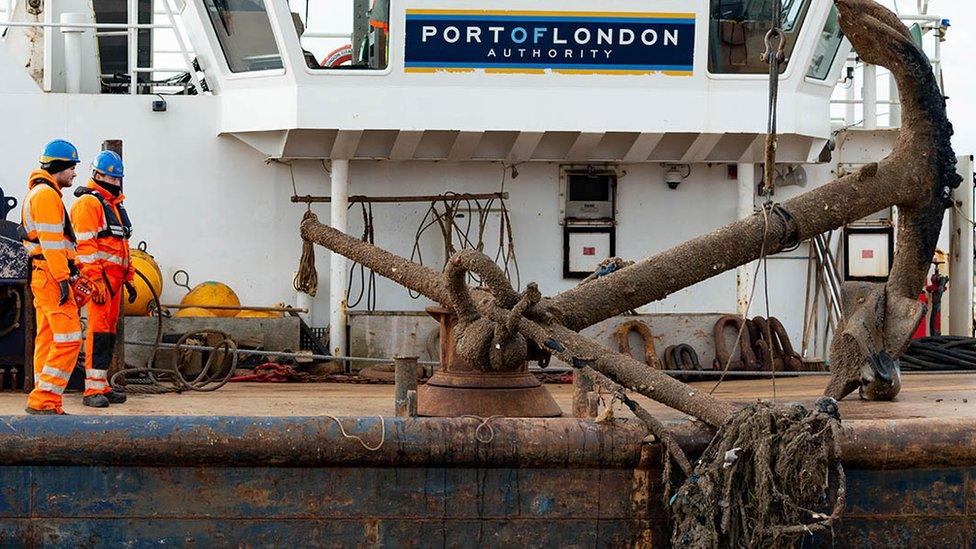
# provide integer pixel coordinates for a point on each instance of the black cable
(940, 353)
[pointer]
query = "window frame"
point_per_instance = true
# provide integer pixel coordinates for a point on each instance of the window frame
(220, 55)
(397, 27)
(801, 22)
(836, 54)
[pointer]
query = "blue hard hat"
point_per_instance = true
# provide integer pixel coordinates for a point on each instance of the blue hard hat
(108, 163)
(59, 149)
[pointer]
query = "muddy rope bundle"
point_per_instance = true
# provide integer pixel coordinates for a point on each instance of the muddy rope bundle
(940, 353)
(307, 278)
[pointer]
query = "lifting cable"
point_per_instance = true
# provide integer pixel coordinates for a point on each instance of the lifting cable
(774, 55)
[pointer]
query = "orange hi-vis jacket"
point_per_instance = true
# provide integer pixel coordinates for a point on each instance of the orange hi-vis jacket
(46, 229)
(102, 228)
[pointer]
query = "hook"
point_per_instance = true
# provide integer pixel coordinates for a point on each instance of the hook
(186, 279)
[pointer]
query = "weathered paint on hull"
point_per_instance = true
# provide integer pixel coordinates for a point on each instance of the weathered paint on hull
(286, 481)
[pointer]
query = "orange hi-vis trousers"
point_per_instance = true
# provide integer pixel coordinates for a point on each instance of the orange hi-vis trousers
(100, 339)
(57, 342)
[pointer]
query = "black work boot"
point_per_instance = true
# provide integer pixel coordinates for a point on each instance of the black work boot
(48, 412)
(95, 401)
(115, 397)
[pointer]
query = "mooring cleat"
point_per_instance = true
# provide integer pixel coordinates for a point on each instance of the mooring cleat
(95, 401)
(47, 412)
(115, 397)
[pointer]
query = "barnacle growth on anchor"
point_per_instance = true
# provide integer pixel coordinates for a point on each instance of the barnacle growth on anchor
(752, 487)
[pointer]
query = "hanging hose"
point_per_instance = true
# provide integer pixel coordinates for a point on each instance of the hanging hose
(307, 278)
(367, 284)
(153, 380)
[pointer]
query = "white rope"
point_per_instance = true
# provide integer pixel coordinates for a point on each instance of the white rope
(359, 439)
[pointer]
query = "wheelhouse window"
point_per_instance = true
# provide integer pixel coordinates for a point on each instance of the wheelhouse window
(244, 32)
(343, 34)
(827, 47)
(737, 31)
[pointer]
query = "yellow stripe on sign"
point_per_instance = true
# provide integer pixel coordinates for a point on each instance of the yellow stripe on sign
(436, 69)
(679, 73)
(533, 13)
(515, 71)
(604, 71)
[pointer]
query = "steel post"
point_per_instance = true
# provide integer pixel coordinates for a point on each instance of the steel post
(894, 109)
(73, 51)
(746, 180)
(405, 380)
(337, 263)
(582, 387)
(961, 254)
(869, 93)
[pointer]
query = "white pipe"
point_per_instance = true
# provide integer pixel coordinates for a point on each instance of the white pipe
(72, 51)
(337, 263)
(869, 92)
(960, 293)
(305, 301)
(746, 191)
(894, 111)
(132, 9)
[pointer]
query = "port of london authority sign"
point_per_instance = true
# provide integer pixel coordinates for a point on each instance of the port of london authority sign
(541, 41)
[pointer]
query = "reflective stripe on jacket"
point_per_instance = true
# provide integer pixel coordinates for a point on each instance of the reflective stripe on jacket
(102, 228)
(45, 226)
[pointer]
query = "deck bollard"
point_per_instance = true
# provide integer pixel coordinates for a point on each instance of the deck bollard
(405, 379)
(582, 387)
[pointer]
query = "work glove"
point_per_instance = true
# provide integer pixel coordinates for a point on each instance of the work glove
(72, 269)
(131, 291)
(65, 287)
(100, 295)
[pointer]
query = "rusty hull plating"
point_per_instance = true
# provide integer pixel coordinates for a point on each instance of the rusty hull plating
(232, 481)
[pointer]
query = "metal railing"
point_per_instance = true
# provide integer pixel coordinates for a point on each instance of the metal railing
(130, 30)
(931, 26)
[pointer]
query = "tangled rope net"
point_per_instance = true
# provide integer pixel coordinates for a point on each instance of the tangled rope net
(764, 480)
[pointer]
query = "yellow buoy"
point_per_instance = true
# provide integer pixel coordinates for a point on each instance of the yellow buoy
(194, 311)
(135, 252)
(213, 293)
(145, 264)
(258, 314)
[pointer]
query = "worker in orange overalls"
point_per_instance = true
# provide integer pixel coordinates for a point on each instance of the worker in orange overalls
(102, 227)
(46, 234)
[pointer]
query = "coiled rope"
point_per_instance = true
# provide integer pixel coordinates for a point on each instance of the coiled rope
(307, 278)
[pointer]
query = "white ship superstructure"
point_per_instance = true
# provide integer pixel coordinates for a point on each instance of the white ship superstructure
(615, 128)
